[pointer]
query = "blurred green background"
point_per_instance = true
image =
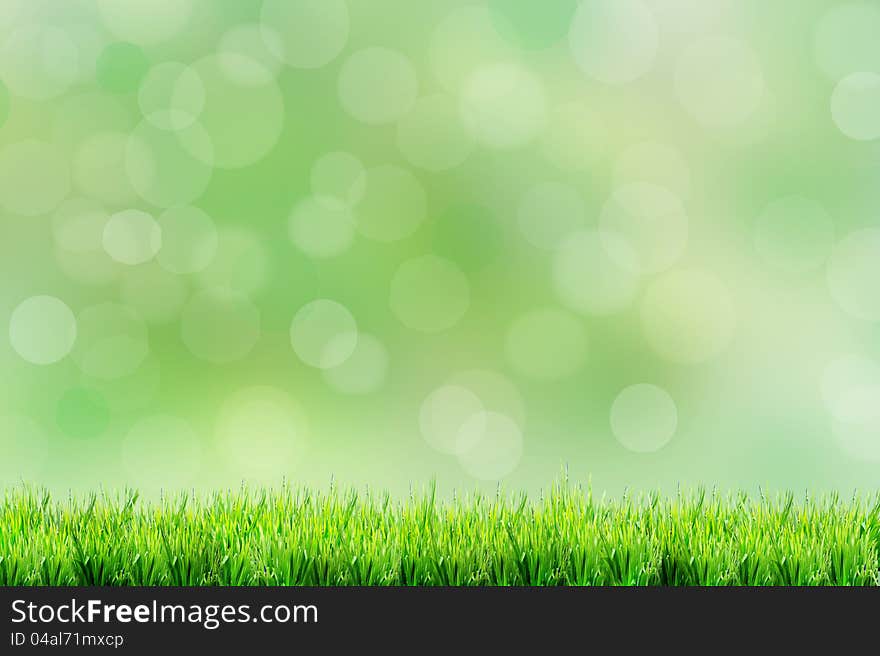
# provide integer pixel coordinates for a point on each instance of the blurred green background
(379, 242)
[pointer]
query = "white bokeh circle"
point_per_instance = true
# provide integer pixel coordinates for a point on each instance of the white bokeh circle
(688, 316)
(324, 334)
(312, 33)
(853, 272)
(132, 237)
(591, 278)
(429, 294)
(145, 22)
(644, 418)
(42, 330)
(442, 415)
(321, 226)
(851, 389)
(233, 101)
(546, 344)
(171, 96)
(855, 106)
(162, 170)
(614, 41)
(503, 106)
(719, 81)
(550, 211)
(39, 61)
(651, 219)
(377, 85)
(495, 445)
(220, 325)
(464, 40)
(247, 44)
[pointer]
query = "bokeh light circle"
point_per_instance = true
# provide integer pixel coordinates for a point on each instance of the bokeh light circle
(546, 344)
(247, 53)
(164, 172)
(590, 278)
(855, 106)
(132, 237)
(429, 294)
(42, 330)
(495, 445)
(145, 22)
(377, 85)
(39, 61)
(220, 325)
(171, 96)
(312, 32)
(851, 389)
(464, 40)
(644, 418)
(503, 106)
(853, 272)
(688, 316)
(719, 81)
(614, 41)
(442, 415)
(321, 226)
(651, 219)
(233, 101)
(324, 334)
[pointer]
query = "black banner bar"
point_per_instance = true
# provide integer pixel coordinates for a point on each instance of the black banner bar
(468, 620)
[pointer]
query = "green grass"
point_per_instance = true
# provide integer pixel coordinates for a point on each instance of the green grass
(296, 537)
